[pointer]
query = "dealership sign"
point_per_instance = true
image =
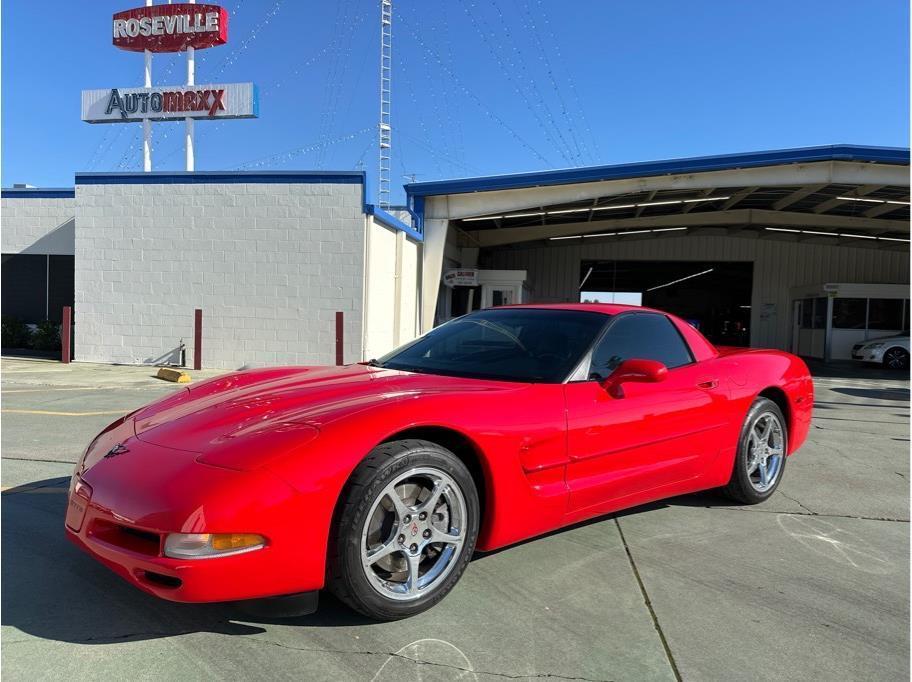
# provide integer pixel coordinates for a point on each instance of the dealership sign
(178, 27)
(170, 28)
(466, 277)
(123, 105)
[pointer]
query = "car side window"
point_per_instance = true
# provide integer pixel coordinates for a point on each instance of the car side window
(643, 336)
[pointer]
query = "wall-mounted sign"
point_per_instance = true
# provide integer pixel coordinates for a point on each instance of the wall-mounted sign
(123, 105)
(170, 28)
(466, 277)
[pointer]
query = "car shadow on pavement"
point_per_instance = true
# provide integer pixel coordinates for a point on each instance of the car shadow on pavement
(53, 590)
(901, 394)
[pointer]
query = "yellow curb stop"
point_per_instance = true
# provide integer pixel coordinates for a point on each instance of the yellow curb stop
(175, 375)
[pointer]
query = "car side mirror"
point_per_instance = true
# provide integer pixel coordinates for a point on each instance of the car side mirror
(634, 370)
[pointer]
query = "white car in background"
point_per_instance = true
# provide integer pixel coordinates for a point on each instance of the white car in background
(890, 351)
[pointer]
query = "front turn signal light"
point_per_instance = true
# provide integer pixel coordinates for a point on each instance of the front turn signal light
(211, 545)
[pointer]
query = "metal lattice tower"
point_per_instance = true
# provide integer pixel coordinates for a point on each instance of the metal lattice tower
(386, 59)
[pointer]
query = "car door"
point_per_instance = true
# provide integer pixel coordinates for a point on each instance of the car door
(654, 438)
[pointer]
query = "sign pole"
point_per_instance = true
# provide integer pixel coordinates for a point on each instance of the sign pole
(147, 124)
(191, 76)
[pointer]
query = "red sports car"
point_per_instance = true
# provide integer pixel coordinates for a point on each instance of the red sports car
(379, 480)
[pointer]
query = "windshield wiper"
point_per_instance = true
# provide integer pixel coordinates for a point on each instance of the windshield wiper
(374, 362)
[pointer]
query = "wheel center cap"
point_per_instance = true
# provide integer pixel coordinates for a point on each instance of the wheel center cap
(414, 529)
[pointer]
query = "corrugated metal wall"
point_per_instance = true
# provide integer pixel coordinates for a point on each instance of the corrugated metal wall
(554, 269)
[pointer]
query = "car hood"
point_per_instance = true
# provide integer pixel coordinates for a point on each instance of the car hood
(286, 402)
(886, 339)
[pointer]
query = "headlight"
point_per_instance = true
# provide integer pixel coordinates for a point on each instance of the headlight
(210, 545)
(873, 346)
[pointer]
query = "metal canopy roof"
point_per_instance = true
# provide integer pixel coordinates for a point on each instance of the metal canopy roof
(697, 164)
(859, 195)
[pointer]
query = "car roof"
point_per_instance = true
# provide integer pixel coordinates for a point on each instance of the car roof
(604, 308)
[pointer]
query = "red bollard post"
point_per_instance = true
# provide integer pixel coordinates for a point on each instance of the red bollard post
(66, 327)
(340, 338)
(198, 339)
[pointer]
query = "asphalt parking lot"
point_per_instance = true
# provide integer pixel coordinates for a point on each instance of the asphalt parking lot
(812, 585)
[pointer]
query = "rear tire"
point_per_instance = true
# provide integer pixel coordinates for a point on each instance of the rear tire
(404, 531)
(760, 459)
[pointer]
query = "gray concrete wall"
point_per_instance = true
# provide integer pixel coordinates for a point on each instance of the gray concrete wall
(37, 225)
(269, 264)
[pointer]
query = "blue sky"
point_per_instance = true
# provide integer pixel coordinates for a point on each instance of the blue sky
(479, 86)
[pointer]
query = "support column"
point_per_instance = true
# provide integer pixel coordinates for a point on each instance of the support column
(191, 78)
(147, 124)
(435, 236)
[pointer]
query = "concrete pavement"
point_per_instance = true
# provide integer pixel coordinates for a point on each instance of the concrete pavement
(814, 584)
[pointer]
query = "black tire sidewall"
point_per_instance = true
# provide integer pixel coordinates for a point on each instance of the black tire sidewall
(904, 354)
(740, 482)
(362, 595)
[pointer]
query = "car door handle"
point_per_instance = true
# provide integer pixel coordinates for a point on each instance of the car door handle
(708, 385)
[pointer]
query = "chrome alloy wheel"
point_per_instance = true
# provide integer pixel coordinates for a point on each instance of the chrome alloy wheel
(413, 534)
(896, 358)
(766, 448)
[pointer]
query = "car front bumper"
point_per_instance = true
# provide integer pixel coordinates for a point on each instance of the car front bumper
(127, 505)
(863, 354)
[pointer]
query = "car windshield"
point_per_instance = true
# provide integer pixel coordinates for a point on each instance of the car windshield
(507, 344)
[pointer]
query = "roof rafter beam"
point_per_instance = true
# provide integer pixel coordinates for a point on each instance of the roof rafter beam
(883, 208)
(650, 197)
(512, 235)
(689, 207)
(738, 197)
(798, 195)
(836, 201)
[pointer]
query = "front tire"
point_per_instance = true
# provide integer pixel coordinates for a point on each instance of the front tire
(760, 460)
(896, 358)
(405, 530)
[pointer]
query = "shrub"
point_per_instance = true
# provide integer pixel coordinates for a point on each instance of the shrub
(14, 333)
(46, 336)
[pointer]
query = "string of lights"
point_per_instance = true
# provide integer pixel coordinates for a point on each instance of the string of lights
(454, 125)
(283, 157)
(343, 30)
(471, 95)
(523, 85)
(539, 41)
(228, 60)
(440, 117)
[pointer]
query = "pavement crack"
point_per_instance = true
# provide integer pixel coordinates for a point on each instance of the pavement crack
(645, 594)
(807, 509)
(417, 661)
(820, 514)
(35, 459)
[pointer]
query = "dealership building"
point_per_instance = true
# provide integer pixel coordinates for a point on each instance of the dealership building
(804, 249)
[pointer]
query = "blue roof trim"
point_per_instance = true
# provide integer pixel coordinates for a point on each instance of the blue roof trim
(37, 193)
(208, 177)
(385, 218)
(699, 164)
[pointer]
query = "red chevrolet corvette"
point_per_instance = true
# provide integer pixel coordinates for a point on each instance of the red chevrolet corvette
(379, 480)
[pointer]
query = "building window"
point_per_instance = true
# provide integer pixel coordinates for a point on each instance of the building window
(849, 313)
(813, 313)
(885, 313)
